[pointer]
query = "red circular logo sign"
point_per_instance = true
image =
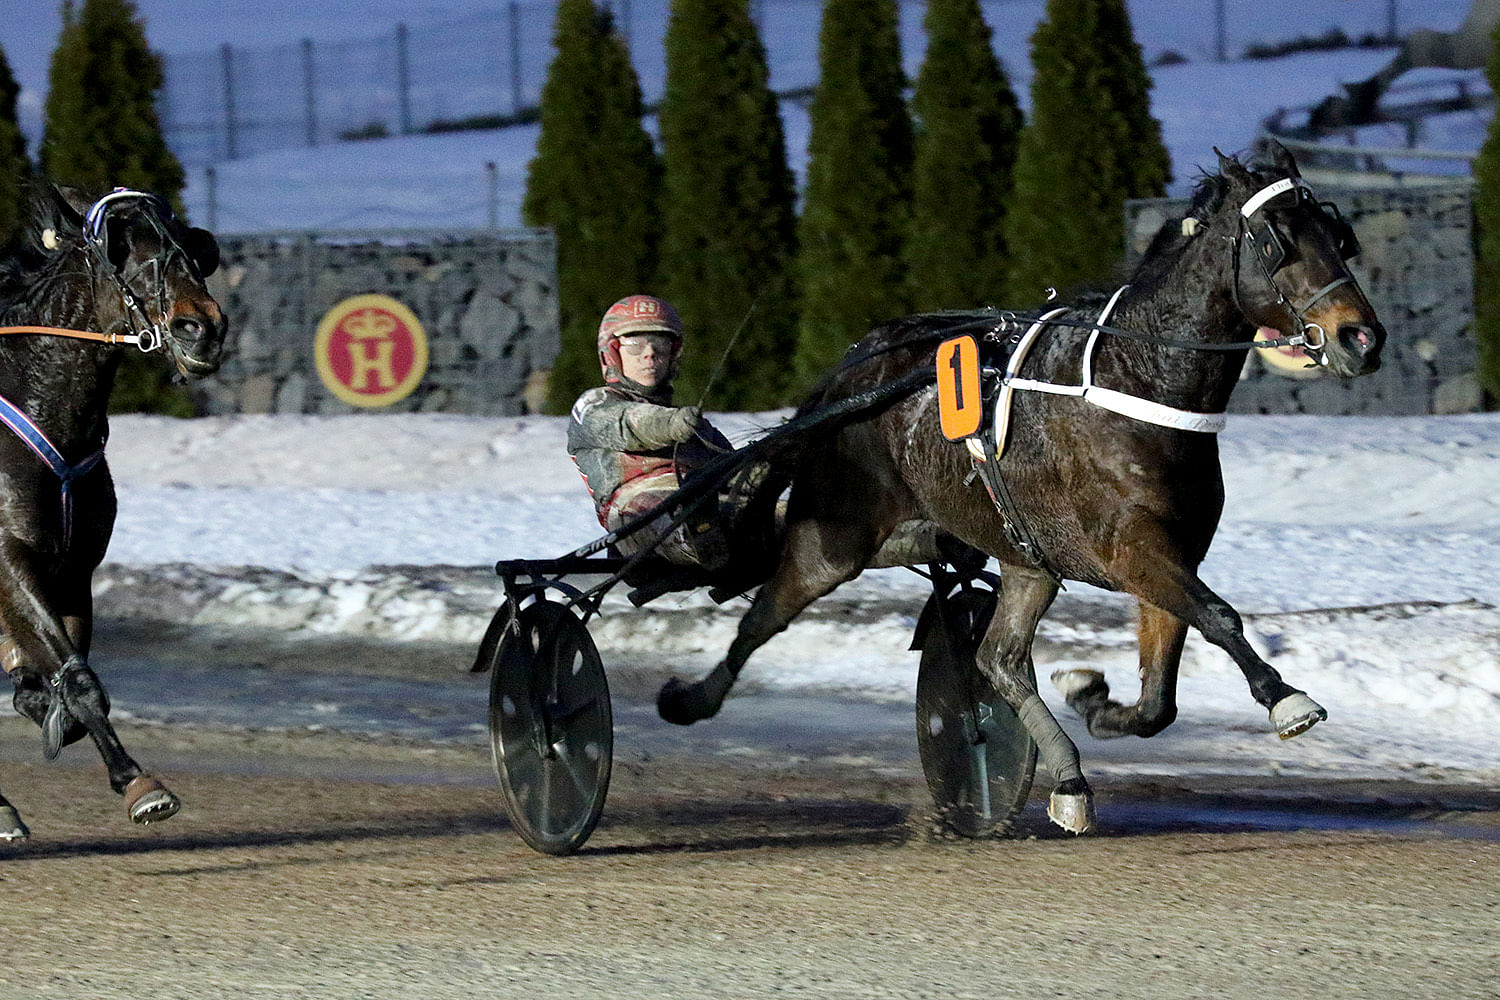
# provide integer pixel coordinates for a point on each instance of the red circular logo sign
(370, 350)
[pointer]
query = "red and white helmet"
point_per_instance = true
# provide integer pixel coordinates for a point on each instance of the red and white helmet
(636, 314)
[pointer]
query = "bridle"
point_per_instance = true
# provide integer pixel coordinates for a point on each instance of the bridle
(140, 329)
(1270, 253)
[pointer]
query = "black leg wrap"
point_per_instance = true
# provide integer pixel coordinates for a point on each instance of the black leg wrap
(59, 725)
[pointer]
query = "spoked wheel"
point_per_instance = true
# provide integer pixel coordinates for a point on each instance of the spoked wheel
(551, 727)
(978, 758)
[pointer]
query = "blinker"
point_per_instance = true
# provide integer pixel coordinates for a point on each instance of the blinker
(1272, 244)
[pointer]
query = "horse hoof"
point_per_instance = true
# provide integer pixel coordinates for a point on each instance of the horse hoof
(681, 704)
(1080, 687)
(1074, 813)
(12, 830)
(1296, 713)
(148, 801)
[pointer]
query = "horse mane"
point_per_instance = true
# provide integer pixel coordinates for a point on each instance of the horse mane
(27, 267)
(1167, 245)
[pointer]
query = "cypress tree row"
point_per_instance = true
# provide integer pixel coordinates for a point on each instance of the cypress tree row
(102, 128)
(1487, 249)
(596, 181)
(967, 126)
(1091, 143)
(14, 166)
(102, 131)
(857, 204)
(729, 209)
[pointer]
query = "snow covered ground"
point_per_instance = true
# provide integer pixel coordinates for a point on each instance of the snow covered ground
(1363, 552)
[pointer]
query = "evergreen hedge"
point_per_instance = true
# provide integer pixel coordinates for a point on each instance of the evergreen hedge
(857, 205)
(596, 181)
(102, 131)
(967, 126)
(729, 208)
(1091, 143)
(14, 166)
(1487, 248)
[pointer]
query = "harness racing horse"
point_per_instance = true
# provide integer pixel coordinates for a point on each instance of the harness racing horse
(1104, 414)
(87, 279)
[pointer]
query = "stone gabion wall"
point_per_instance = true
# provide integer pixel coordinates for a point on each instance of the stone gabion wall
(486, 301)
(1417, 267)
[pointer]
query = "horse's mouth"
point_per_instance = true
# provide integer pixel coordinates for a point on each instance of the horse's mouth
(197, 348)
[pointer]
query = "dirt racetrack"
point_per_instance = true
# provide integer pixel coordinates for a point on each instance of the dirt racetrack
(284, 878)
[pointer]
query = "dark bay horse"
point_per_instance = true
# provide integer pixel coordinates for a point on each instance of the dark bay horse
(1118, 486)
(89, 279)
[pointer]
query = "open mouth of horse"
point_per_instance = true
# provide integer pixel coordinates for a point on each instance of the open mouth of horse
(1352, 350)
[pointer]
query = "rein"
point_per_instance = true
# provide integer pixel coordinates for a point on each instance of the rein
(153, 341)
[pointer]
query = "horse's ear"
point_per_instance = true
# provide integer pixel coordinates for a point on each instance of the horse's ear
(1282, 157)
(1231, 167)
(203, 248)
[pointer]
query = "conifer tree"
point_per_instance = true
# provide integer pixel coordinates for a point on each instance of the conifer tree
(596, 181)
(857, 206)
(14, 166)
(967, 126)
(102, 128)
(1487, 249)
(102, 131)
(1091, 143)
(729, 207)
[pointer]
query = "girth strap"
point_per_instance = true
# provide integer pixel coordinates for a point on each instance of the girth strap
(26, 429)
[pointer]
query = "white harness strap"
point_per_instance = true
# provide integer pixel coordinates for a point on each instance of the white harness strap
(1124, 404)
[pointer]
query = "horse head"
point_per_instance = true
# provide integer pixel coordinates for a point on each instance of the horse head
(1290, 254)
(147, 270)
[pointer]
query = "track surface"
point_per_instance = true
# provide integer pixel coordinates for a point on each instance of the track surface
(340, 866)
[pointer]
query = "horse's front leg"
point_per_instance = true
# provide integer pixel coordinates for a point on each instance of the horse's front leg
(1176, 589)
(1005, 657)
(1160, 636)
(50, 646)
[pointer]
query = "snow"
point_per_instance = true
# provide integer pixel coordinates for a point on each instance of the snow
(1362, 552)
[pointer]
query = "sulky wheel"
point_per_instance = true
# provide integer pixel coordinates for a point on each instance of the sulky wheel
(551, 727)
(978, 758)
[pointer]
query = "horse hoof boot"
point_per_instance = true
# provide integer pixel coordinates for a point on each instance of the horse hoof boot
(54, 728)
(12, 830)
(1074, 813)
(679, 703)
(148, 800)
(1296, 713)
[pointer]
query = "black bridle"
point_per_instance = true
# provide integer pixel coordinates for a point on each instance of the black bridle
(1270, 253)
(147, 333)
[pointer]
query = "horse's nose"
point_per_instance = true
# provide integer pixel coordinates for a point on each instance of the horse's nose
(1363, 342)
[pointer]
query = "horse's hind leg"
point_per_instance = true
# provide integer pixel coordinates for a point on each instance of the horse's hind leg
(1005, 656)
(818, 556)
(1161, 636)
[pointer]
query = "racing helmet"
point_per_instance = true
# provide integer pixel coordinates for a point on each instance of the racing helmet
(637, 314)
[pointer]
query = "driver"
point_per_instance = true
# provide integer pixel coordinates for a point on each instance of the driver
(633, 446)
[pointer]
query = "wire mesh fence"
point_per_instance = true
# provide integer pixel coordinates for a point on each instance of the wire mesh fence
(489, 67)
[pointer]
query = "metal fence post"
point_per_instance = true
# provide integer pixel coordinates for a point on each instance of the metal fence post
(231, 140)
(1221, 41)
(492, 202)
(403, 79)
(211, 183)
(515, 56)
(309, 91)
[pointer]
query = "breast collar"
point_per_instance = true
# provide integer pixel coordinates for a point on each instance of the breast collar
(67, 474)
